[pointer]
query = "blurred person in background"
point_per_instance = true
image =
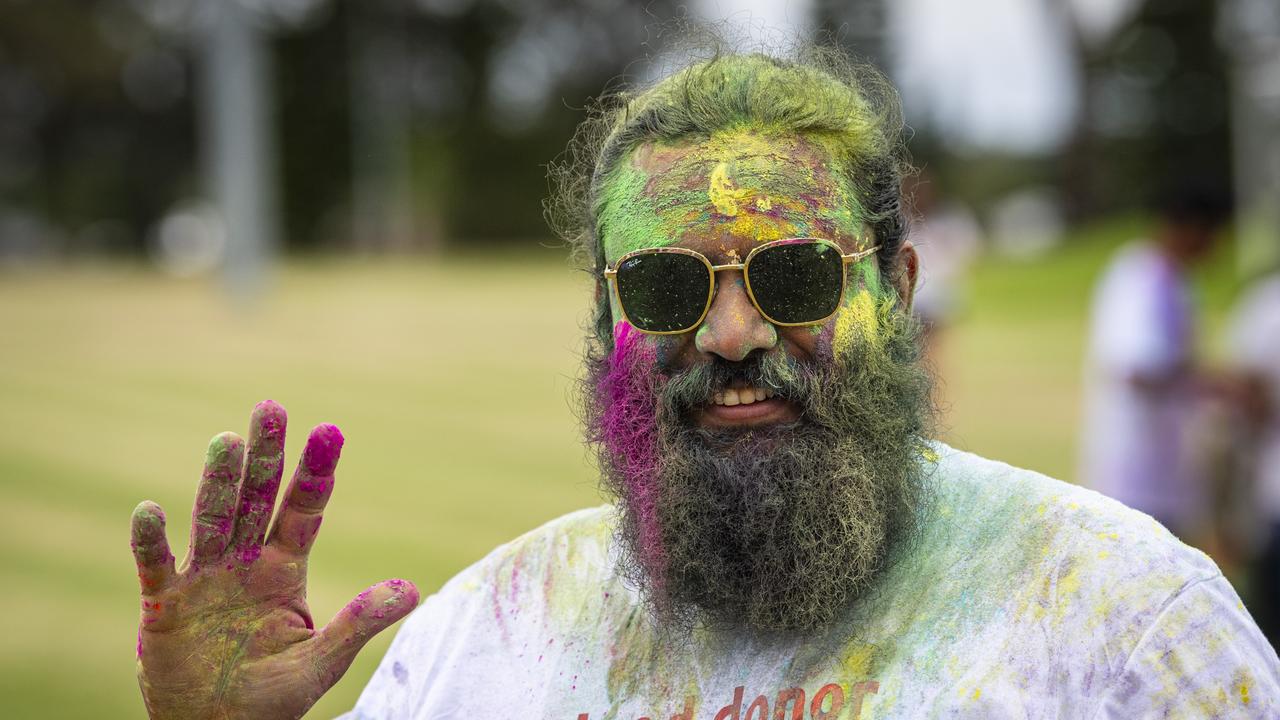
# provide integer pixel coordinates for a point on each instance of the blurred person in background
(1140, 376)
(947, 238)
(784, 535)
(1254, 344)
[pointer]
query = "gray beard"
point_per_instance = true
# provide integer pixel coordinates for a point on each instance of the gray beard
(781, 528)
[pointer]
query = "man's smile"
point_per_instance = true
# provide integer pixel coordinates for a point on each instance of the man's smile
(746, 406)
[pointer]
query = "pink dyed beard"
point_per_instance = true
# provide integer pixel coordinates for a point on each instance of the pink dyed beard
(628, 429)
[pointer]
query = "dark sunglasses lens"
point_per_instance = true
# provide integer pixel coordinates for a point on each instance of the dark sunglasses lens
(797, 283)
(663, 292)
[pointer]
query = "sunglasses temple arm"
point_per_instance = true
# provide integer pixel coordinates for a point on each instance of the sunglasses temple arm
(861, 254)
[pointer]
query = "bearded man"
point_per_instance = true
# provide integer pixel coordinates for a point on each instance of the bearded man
(786, 541)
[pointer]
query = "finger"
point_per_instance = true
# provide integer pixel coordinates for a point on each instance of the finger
(302, 509)
(264, 464)
(150, 547)
(371, 612)
(213, 516)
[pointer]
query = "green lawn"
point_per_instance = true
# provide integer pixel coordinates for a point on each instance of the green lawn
(450, 381)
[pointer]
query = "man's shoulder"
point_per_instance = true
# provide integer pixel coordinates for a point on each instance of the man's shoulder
(1063, 525)
(1063, 546)
(1071, 589)
(586, 524)
(1043, 559)
(1137, 255)
(1132, 273)
(577, 543)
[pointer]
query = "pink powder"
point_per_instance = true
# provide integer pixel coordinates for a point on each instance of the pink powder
(324, 446)
(307, 531)
(360, 603)
(249, 553)
(629, 429)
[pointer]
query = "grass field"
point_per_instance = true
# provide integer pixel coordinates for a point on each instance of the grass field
(450, 381)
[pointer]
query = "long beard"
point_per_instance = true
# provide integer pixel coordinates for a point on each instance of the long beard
(770, 529)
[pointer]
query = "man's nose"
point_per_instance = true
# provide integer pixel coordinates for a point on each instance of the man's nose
(733, 327)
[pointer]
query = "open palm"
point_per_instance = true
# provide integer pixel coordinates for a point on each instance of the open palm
(228, 634)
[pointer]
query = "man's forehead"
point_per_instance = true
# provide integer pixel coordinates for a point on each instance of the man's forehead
(742, 144)
(736, 186)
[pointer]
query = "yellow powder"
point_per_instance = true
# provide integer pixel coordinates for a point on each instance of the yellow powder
(857, 664)
(1069, 584)
(724, 194)
(858, 317)
(759, 229)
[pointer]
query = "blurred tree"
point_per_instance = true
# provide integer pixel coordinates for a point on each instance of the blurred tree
(1253, 38)
(1154, 107)
(859, 26)
(451, 107)
(441, 113)
(96, 133)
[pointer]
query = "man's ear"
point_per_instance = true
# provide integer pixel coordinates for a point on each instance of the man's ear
(907, 266)
(601, 293)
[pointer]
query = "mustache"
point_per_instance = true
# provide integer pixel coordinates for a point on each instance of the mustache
(696, 385)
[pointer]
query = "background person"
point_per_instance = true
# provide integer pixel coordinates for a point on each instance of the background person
(1140, 375)
(1254, 343)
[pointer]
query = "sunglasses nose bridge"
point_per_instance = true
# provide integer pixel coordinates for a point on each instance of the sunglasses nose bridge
(733, 326)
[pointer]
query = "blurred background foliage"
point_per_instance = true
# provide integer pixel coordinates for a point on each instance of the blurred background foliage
(394, 125)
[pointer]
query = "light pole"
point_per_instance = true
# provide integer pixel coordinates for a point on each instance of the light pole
(239, 142)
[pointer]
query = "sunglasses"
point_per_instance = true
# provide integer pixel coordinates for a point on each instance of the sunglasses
(795, 281)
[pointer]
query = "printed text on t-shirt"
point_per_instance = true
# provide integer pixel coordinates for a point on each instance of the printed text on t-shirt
(826, 704)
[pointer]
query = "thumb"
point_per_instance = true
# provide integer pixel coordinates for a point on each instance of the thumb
(371, 612)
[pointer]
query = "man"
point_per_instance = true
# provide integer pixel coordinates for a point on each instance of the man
(785, 543)
(1140, 380)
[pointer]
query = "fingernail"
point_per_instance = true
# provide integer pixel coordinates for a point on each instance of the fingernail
(221, 445)
(150, 514)
(324, 446)
(270, 416)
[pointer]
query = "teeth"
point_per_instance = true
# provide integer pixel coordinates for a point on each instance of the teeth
(742, 396)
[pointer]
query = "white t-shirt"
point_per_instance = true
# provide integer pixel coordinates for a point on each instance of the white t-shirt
(1255, 346)
(1025, 598)
(1132, 442)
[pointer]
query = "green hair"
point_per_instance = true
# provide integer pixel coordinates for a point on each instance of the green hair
(818, 93)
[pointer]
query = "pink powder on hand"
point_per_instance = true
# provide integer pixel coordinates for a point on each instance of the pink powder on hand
(324, 446)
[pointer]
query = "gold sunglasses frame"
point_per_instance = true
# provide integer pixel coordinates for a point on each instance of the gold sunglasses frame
(611, 273)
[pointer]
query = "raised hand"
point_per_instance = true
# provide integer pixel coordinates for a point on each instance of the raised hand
(228, 634)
